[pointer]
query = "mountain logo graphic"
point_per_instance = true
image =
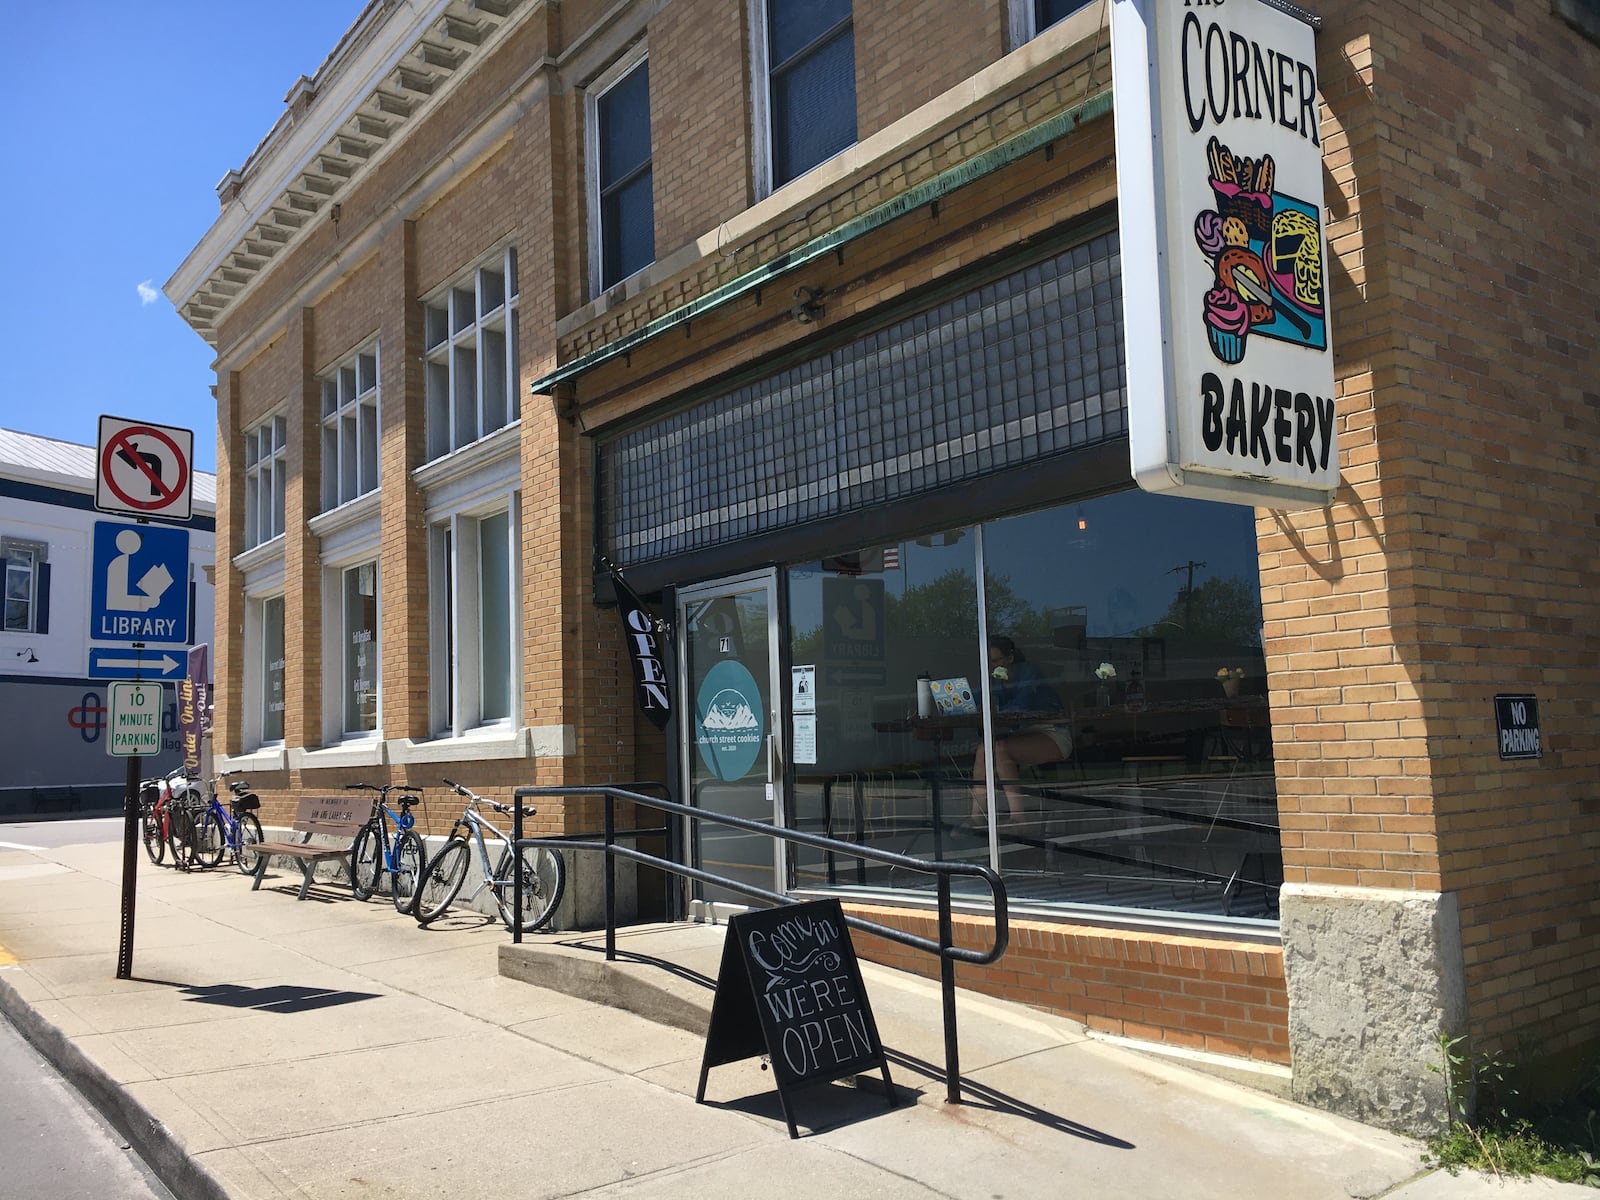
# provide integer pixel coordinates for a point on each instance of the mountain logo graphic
(729, 710)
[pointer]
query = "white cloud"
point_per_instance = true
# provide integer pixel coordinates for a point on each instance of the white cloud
(148, 294)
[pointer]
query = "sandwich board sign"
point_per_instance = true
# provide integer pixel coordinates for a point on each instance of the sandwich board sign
(790, 988)
(144, 469)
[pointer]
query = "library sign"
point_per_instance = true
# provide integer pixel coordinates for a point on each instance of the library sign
(1224, 256)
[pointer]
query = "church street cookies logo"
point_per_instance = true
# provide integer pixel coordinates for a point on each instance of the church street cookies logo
(1265, 250)
(727, 720)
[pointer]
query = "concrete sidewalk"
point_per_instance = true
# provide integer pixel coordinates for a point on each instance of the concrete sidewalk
(329, 1048)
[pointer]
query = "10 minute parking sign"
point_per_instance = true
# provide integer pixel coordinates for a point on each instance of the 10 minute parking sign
(135, 720)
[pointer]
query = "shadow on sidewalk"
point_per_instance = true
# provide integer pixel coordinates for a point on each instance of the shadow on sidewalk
(281, 998)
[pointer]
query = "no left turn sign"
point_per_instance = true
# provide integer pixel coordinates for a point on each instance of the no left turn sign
(145, 469)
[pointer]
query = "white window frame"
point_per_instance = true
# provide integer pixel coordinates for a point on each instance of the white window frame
(336, 618)
(475, 315)
(456, 694)
(266, 455)
(258, 671)
(37, 554)
(620, 70)
(350, 430)
(761, 139)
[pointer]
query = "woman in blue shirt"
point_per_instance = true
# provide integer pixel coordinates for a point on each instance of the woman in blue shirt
(1017, 687)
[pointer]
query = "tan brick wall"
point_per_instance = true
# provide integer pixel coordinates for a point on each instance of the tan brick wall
(227, 631)
(1459, 559)
(911, 51)
(302, 596)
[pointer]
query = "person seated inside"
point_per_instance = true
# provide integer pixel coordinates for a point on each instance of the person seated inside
(1017, 687)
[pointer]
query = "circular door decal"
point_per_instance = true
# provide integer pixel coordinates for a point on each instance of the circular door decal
(727, 720)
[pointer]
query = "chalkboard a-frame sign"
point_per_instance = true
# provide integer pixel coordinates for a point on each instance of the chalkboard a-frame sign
(789, 987)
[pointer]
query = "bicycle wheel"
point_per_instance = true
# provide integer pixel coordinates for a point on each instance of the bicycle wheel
(442, 879)
(409, 857)
(180, 836)
(155, 845)
(544, 878)
(249, 839)
(210, 840)
(366, 861)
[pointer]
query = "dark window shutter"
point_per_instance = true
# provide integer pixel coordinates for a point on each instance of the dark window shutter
(41, 620)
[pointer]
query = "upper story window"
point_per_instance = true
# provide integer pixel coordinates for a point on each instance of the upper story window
(471, 353)
(265, 452)
(623, 205)
(809, 66)
(1030, 18)
(350, 429)
(27, 585)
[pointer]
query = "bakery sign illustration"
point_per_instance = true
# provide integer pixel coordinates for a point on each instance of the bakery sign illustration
(1224, 251)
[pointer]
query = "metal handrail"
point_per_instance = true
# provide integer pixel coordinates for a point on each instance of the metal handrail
(945, 949)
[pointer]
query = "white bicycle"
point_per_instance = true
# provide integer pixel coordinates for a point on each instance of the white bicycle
(544, 875)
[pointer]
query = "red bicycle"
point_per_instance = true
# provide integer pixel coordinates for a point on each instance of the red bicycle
(159, 800)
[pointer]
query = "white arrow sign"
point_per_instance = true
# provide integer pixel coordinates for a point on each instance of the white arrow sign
(164, 664)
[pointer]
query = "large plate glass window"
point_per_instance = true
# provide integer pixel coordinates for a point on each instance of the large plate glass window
(471, 356)
(474, 662)
(809, 59)
(1092, 720)
(350, 428)
(362, 661)
(624, 209)
(265, 455)
(272, 664)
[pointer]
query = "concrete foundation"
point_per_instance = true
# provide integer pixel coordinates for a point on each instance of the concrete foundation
(1374, 976)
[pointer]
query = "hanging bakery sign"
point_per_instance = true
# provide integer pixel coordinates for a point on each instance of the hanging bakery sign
(1224, 251)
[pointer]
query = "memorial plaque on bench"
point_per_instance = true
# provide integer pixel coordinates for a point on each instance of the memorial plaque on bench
(790, 988)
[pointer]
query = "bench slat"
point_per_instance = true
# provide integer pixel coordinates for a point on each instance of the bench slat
(329, 816)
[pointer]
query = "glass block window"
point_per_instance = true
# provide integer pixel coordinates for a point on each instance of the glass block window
(265, 455)
(811, 83)
(1023, 368)
(350, 429)
(471, 356)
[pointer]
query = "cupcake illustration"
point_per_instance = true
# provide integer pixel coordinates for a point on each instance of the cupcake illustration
(1227, 322)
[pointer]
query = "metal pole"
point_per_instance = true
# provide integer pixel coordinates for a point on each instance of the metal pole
(947, 987)
(516, 868)
(611, 880)
(130, 869)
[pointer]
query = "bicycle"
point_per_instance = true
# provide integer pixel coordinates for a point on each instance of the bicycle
(375, 854)
(233, 830)
(155, 812)
(544, 874)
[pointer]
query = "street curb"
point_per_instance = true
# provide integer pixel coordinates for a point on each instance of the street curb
(182, 1174)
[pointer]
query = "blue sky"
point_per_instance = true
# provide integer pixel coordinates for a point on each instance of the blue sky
(123, 118)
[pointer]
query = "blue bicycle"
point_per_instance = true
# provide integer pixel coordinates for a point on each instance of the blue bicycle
(235, 830)
(376, 853)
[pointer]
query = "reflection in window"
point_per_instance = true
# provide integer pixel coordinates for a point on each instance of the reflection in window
(272, 662)
(1131, 734)
(361, 662)
(811, 77)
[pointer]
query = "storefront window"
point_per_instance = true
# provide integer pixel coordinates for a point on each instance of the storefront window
(1130, 750)
(272, 662)
(361, 649)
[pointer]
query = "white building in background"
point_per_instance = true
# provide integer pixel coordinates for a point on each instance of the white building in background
(52, 714)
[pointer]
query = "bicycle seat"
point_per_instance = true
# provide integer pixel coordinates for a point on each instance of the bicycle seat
(239, 787)
(407, 801)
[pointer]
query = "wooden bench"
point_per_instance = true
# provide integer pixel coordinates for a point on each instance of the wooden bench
(330, 816)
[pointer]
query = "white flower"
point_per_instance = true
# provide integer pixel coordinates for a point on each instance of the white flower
(1001, 674)
(1105, 671)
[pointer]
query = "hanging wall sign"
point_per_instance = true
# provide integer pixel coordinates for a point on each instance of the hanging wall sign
(789, 987)
(643, 640)
(1224, 256)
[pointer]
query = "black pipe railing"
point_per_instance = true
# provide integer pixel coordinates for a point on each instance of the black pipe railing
(944, 948)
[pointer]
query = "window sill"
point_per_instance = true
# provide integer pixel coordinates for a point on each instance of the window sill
(273, 758)
(366, 752)
(258, 556)
(345, 515)
(548, 741)
(472, 463)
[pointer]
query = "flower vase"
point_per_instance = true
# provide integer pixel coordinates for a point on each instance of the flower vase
(1230, 687)
(1102, 696)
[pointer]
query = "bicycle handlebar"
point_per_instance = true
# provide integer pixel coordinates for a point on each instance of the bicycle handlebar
(474, 798)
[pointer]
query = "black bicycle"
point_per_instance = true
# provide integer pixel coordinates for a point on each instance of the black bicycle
(377, 854)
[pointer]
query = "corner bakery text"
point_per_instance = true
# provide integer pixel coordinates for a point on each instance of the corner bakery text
(1225, 75)
(1272, 424)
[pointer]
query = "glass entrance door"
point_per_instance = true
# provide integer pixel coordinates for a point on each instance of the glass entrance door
(729, 648)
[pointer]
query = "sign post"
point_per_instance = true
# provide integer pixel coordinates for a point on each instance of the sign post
(789, 987)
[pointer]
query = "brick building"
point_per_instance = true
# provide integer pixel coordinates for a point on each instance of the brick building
(808, 317)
